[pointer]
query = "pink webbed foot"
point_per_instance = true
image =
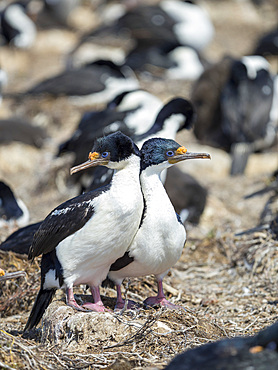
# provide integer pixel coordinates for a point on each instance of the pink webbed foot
(76, 307)
(87, 306)
(97, 307)
(121, 303)
(161, 301)
(131, 305)
(71, 302)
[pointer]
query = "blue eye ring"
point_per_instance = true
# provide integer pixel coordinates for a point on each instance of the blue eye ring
(170, 153)
(104, 154)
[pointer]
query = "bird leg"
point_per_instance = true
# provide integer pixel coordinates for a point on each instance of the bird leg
(120, 303)
(160, 299)
(98, 305)
(71, 300)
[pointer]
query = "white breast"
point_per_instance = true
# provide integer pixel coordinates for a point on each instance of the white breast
(158, 243)
(87, 255)
(21, 22)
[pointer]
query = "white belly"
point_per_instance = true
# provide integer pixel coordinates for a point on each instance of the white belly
(157, 245)
(87, 255)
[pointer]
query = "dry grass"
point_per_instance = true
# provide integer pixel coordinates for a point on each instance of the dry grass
(227, 284)
(233, 294)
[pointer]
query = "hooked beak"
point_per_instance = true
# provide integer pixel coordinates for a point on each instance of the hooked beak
(93, 161)
(182, 154)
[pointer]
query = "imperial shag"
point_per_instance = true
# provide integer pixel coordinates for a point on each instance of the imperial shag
(20, 240)
(82, 237)
(159, 241)
(16, 27)
(13, 211)
(236, 101)
(95, 82)
(176, 115)
(131, 112)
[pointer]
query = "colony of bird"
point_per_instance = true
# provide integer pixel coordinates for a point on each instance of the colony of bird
(128, 216)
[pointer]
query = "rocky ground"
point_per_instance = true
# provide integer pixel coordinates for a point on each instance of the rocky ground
(227, 284)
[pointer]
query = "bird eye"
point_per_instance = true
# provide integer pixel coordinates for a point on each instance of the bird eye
(170, 153)
(104, 154)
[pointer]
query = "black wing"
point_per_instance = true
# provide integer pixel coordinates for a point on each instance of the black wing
(62, 222)
(83, 81)
(121, 262)
(21, 240)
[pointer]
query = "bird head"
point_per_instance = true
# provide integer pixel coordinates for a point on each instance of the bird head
(111, 151)
(164, 153)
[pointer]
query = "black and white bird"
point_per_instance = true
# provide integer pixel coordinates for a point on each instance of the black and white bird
(20, 240)
(159, 242)
(167, 24)
(257, 352)
(267, 45)
(242, 109)
(58, 12)
(16, 27)
(82, 237)
(174, 116)
(131, 112)
(179, 62)
(13, 211)
(96, 82)
(187, 195)
(20, 129)
(177, 114)
(3, 82)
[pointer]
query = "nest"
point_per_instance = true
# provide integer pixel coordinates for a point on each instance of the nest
(16, 295)
(72, 339)
(232, 292)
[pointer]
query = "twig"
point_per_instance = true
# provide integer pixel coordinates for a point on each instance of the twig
(5, 366)
(12, 275)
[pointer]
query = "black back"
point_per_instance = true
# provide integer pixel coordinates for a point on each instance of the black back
(18, 129)
(9, 208)
(62, 222)
(246, 104)
(21, 240)
(73, 214)
(173, 107)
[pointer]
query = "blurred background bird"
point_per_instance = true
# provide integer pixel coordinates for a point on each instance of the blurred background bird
(200, 51)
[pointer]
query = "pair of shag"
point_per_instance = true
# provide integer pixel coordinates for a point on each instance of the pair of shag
(127, 228)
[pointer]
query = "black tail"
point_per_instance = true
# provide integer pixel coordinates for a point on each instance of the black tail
(108, 283)
(43, 300)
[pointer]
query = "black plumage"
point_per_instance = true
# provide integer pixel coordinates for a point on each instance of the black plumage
(12, 210)
(174, 116)
(187, 195)
(58, 225)
(91, 126)
(21, 240)
(138, 23)
(235, 103)
(156, 28)
(130, 112)
(267, 45)
(49, 262)
(94, 79)
(257, 352)
(18, 129)
(73, 237)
